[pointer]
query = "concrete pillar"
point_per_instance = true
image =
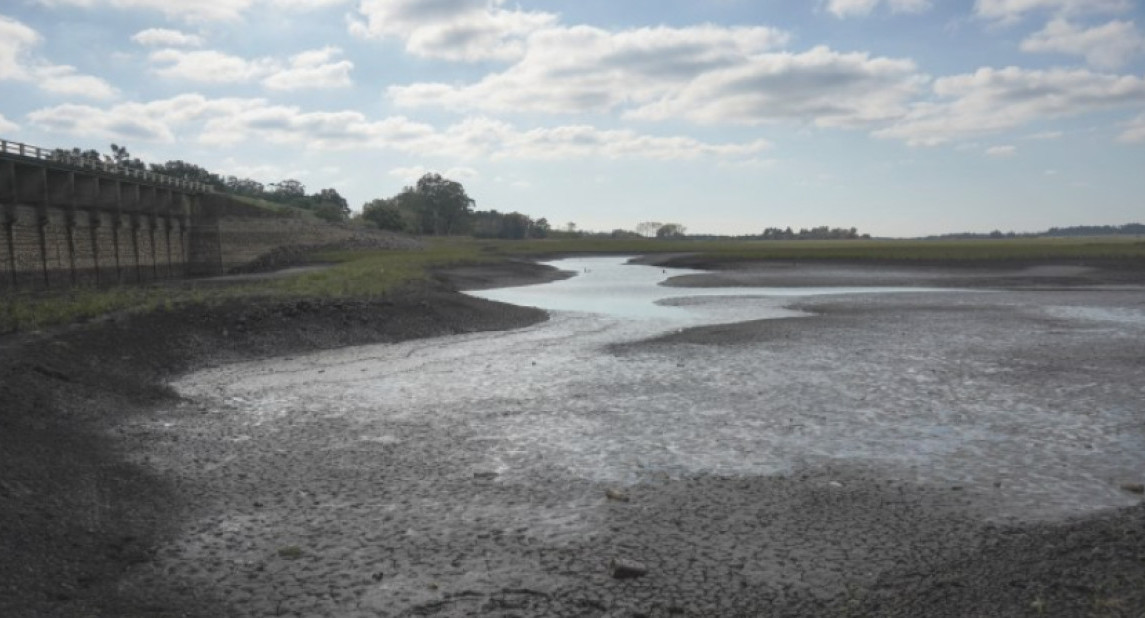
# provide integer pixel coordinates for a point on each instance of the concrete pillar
(130, 202)
(93, 225)
(42, 222)
(8, 219)
(70, 224)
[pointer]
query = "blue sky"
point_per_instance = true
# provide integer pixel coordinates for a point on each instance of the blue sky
(899, 117)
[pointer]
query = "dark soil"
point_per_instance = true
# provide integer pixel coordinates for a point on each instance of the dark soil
(75, 515)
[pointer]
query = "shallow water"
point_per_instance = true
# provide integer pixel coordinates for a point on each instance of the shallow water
(551, 401)
(610, 286)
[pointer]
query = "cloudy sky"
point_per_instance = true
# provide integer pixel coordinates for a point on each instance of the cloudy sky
(900, 117)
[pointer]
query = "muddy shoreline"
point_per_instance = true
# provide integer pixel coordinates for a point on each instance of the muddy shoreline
(84, 517)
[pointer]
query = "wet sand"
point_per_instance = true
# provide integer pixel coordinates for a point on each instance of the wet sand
(308, 502)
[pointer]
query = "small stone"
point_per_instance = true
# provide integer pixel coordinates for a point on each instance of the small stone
(616, 494)
(627, 569)
(485, 476)
(1133, 488)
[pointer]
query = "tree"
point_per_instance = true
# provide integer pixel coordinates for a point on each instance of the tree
(540, 228)
(648, 228)
(444, 204)
(329, 205)
(244, 186)
(287, 190)
(120, 157)
(385, 214)
(188, 171)
(670, 230)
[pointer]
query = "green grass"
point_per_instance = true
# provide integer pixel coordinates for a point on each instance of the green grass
(366, 274)
(958, 251)
(358, 274)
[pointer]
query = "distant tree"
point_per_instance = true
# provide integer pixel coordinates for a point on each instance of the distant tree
(648, 228)
(540, 228)
(121, 158)
(619, 233)
(244, 186)
(329, 205)
(385, 214)
(670, 230)
(444, 204)
(287, 190)
(76, 155)
(188, 171)
(515, 226)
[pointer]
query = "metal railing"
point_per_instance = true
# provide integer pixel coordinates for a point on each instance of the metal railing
(60, 156)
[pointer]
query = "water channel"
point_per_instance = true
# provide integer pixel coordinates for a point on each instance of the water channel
(555, 400)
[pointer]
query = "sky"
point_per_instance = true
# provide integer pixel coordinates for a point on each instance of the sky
(898, 117)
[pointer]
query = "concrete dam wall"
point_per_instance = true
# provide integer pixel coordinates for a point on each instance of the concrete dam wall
(68, 221)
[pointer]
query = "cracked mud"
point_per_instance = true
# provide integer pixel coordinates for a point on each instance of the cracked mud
(779, 456)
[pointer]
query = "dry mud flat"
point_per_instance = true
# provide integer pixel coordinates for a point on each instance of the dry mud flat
(941, 455)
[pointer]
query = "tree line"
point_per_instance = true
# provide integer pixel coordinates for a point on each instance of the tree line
(326, 204)
(1129, 229)
(437, 206)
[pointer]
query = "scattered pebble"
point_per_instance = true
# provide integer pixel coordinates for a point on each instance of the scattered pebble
(1133, 488)
(616, 494)
(627, 569)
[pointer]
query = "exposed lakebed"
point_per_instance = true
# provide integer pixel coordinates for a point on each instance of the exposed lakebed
(556, 399)
(784, 444)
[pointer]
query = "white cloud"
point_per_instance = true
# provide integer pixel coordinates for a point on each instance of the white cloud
(312, 69)
(851, 8)
(821, 86)
(155, 121)
(1008, 11)
(306, 5)
(15, 41)
(86, 120)
(18, 63)
(232, 121)
(1045, 135)
(580, 69)
(1002, 152)
(1134, 132)
(208, 66)
(707, 74)
(186, 10)
(64, 80)
(164, 37)
(6, 125)
(316, 68)
(464, 30)
(992, 100)
(1106, 47)
(412, 173)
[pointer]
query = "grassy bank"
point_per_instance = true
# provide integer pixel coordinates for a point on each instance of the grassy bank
(1106, 249)
(365, 274)
(357, 274)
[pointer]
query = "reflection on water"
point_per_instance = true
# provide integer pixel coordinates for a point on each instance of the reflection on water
(612, 287)
(541, 403)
